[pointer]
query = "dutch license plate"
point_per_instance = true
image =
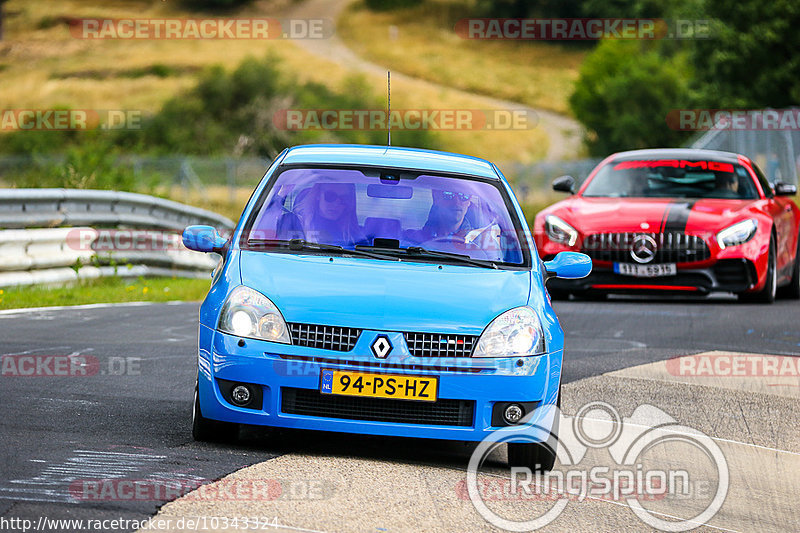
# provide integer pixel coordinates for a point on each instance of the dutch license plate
(645, 271)
(395, 386)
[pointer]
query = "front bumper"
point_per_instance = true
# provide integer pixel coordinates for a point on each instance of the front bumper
(289, 376)
(727, 275)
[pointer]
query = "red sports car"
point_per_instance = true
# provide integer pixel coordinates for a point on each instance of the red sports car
(676, 220)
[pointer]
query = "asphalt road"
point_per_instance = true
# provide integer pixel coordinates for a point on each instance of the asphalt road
(130, 416)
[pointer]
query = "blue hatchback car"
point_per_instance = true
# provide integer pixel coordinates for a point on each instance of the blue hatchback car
(383, 291)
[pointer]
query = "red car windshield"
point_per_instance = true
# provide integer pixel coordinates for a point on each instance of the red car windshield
(672, 178)
(369, 207)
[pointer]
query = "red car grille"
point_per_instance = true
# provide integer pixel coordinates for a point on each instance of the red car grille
(671, 247)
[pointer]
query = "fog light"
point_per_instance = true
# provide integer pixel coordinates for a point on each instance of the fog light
(513, 413)
(240, 395)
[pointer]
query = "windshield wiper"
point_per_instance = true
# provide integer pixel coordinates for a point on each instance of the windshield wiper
(423, 252)
(302, 244)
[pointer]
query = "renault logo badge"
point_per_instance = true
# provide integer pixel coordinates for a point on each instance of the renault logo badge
(381, 347)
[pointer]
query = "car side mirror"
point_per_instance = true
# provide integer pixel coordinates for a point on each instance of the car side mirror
(203, 239)
(564, 184)
(569, 265)
(785, 189)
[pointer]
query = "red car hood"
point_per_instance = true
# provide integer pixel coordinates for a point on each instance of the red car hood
(652, 215)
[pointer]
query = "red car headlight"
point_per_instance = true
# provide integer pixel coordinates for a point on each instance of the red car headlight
(739, 233)
(559, 231)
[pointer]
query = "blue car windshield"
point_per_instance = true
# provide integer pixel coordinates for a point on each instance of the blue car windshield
(388, 210)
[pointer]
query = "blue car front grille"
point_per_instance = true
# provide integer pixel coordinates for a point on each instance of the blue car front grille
(440, 345)
(336, 338)
(442, 412)
(344, 339)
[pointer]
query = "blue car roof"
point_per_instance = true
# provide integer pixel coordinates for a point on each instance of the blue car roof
(389, 157)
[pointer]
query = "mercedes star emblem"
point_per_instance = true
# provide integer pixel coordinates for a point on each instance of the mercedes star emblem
(643, 249)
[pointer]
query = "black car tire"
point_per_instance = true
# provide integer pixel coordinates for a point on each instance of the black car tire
(205, 430)
(591, 295)
(540, 456)
(792, 290)
(767, 294)
(558, 294)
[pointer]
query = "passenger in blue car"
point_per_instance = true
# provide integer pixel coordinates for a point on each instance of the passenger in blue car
(328, 214)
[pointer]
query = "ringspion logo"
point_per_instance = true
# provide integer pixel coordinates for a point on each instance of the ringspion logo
(601, 455)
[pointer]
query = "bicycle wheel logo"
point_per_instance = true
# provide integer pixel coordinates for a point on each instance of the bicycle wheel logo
(643, 461)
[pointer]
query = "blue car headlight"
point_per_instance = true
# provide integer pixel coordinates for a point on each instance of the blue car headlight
(739, 233)
(248, 313)
(516, 332)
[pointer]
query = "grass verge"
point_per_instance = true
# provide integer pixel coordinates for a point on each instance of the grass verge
(105, 290)
(421, 42)
(42, 66)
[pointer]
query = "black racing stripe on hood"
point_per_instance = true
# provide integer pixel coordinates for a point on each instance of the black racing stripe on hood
(676, 216)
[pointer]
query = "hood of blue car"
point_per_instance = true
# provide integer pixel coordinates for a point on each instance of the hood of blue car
(384, 295)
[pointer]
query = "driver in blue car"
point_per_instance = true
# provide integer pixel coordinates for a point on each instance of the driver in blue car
(447, 217)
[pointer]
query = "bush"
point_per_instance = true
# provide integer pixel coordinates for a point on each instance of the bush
(573, 8)
(226, 113)
(91, 164)
(214, 5)
(232, 113)
(624, 92)
(388, 5)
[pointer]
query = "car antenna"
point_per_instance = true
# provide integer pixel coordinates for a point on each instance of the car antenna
(389, 106)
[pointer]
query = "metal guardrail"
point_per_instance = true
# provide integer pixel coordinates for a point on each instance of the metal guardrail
(47, 208)
(52, 254)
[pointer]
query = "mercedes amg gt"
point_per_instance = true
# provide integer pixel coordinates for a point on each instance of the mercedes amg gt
(679, 221)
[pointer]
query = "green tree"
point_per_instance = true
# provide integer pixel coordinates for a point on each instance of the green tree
(624, 92)
(752, 57)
